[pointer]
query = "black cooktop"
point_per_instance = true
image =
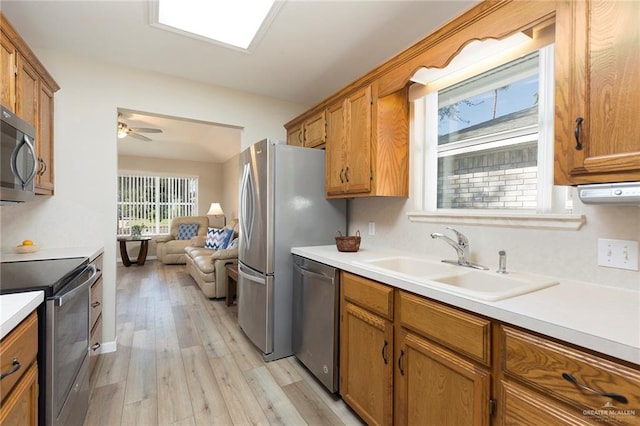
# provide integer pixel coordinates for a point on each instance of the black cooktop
(49, 275)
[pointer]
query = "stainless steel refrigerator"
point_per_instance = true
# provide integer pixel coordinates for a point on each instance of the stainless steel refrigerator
(282, 205)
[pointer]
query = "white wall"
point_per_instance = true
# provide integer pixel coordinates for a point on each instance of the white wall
(564, 254)
(83, 210)
(231, 179)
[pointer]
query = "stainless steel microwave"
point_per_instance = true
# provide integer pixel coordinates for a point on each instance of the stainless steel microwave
(18, 160)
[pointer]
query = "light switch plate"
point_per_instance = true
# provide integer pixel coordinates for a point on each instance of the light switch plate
(620, 254)
(372, 228)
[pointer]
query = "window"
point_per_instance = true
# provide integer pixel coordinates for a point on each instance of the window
(153, 201)
(489, 139)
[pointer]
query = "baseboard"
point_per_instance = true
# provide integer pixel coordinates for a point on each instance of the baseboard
(106, 347)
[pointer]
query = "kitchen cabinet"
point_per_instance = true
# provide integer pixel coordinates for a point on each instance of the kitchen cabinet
(536, 370)
(27, 89)
(8, 59)
(597, 132)
(19, 389)
(95, 318)
(348, 148)
(311, 133)
(366, 348)
(294, 135)
(443, 355)
(368, 145)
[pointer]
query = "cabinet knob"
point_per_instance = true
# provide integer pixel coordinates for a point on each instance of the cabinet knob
(576, 133)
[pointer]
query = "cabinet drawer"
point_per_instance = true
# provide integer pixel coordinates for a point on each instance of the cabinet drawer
(97, 262)
(541, 363)
(21, 344)
(95, 343)
(96, 302)
(458, 330)
(369, 294)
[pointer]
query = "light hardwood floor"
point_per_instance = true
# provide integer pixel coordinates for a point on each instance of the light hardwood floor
(182, 360)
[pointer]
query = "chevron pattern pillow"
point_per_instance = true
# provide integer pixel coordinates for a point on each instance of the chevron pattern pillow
(187, 231)
(218, 238)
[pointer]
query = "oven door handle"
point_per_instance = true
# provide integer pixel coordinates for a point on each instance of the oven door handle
(61, 299)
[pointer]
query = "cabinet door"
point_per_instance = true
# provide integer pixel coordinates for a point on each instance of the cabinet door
(8, 55)
(435, 386)
(598, 81)
(27, 93)
(335, 149)
(366, 367)
(20, 408)
(44, 144)
(358, 142)
(294, 136)
(315, 130)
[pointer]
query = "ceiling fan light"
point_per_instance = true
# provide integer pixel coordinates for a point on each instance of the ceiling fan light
(122, 133)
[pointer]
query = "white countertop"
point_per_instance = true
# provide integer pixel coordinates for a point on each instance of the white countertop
(52, 253)
(601, 318)
(16, 307)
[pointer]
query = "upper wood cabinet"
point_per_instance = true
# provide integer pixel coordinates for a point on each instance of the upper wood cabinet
(311, 133)
(597, 131)
(27, 89)
(368, 145)
(348, 166)
(8, 71)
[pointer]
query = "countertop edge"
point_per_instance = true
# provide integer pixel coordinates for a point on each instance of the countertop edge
(601, 344)
(16, 307)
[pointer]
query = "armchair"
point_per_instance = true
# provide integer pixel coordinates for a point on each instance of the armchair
(170, 249)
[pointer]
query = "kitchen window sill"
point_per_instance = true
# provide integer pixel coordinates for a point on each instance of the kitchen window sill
(566, 222)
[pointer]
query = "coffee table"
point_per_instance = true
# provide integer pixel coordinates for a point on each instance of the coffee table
(142, 254)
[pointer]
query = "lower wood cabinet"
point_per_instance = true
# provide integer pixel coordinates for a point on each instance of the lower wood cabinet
(19, 384)
(366, 348)
(95, 318)
(409, 360)
(435, 386)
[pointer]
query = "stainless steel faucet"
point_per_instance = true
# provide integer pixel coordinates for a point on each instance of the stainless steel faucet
(461, 247)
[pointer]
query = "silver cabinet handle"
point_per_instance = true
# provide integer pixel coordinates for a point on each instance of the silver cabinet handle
(95, 304)
(15, 367)
(95, 346)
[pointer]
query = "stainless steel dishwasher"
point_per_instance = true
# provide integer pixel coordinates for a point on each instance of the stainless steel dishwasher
(316, 290)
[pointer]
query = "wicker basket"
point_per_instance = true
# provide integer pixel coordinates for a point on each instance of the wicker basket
(349, 244)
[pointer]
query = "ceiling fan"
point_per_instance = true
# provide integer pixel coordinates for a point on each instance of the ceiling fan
(124, 130)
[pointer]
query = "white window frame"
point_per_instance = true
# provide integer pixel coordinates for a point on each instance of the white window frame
(158, 229)
(553, 202)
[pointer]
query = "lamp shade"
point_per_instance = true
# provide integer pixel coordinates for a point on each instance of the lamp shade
(215, 210)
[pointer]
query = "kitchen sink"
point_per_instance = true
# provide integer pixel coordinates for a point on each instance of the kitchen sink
(484, 285)
(411, 266)
(488, 285)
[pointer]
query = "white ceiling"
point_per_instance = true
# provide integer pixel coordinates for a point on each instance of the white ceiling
(311, 49)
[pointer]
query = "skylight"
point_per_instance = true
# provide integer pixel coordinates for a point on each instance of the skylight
(230, 22)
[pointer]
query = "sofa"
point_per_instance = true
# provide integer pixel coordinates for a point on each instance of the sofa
(207, 266)
(170, 249)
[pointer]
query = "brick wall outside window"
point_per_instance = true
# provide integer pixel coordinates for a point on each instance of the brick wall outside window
(495, 179)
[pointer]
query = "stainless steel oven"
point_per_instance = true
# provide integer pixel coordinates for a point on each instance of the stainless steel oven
(63, 355)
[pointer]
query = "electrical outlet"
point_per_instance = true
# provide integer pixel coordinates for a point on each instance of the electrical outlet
(620, 254)
(372, 228)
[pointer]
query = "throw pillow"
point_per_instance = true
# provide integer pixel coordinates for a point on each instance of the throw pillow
(218, 238)
(233, 244)
(187, 231)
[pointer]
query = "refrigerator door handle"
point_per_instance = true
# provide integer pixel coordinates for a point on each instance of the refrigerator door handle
(253, 278)
(246, 207)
